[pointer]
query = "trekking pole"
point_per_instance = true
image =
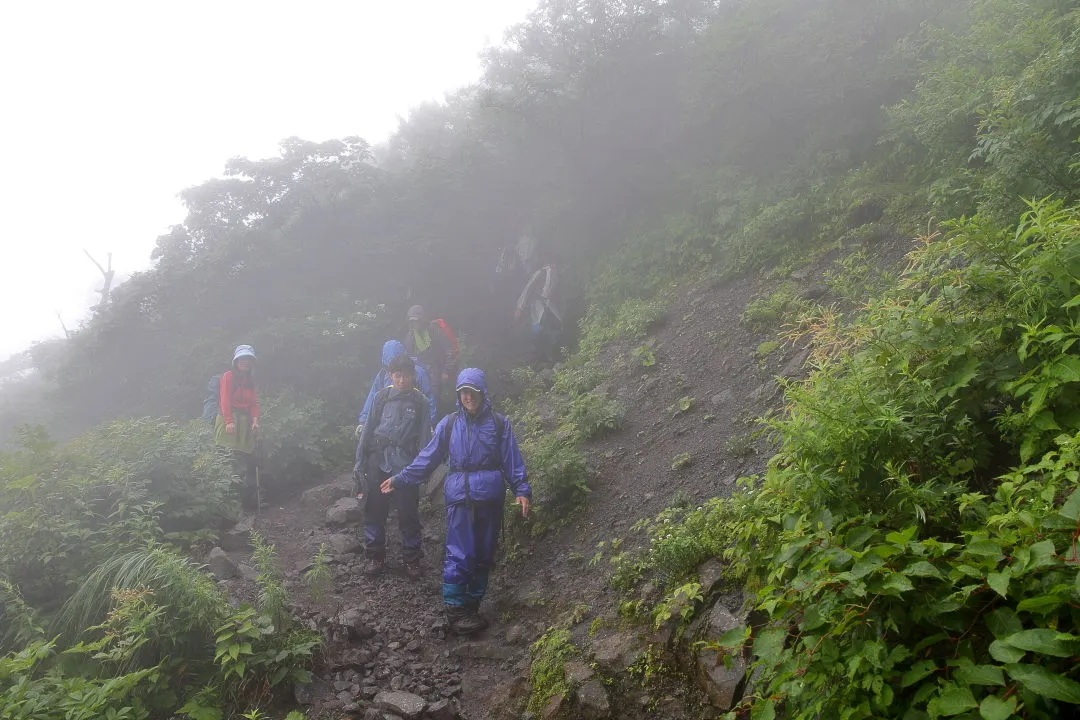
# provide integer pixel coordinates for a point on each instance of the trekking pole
(258, 484)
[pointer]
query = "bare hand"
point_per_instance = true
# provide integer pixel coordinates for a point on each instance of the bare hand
(255, 425)
(524, 503)
(230, 428)
(387, 485)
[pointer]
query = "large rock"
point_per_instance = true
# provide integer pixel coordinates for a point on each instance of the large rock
(239, 536)
(617, 652)
(221, 565)
(325, 495)
(719, 673)
(592, 701)
(346, 511)
(405, 704)
(442, 710)
(344, 544)
(710, 572)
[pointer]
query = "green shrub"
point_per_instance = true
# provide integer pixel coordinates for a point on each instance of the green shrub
(547, 668)
(594, 415)
(770, 312)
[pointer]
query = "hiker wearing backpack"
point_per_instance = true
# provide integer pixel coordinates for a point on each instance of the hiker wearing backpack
(483, 456)
(434, 345)
(545, 320)
(398, 427)
(236, 423)
(390, 350)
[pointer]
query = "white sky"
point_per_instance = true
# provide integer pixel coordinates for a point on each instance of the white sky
(109, 108)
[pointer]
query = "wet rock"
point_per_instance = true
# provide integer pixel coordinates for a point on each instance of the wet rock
(221, 565)
(304, 694)
(794, 366)
(344, 544)
(239, 536)
(555, 708)
(346, 511)
(710, 573)
(325, 495)
(482, 651)
(578, 672)
(442, 710)
(514, 634)
(404, 704)
(717, 672)
(352, 621)
(592, 701)
(616, 652)
(248, 573)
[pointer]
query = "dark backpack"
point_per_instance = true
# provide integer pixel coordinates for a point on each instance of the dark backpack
(211, 404)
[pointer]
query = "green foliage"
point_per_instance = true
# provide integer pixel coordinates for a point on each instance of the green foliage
(681, 461)
(272, 594)
(768, 313)
(911, 540)
(594, 415)
(546, 670)
(318, 577)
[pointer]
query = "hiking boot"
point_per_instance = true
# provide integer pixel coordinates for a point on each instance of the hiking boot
(464, 621)
(374, 566)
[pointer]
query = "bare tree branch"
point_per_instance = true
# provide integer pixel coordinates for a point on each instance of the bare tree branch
(67, 333)
(107, 274)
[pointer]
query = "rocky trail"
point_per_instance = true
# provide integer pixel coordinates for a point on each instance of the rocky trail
(388, 653)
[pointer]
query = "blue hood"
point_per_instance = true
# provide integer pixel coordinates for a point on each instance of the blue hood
(473, 377)
(390, 350)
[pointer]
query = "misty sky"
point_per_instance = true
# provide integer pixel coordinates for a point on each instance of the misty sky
(111, 108)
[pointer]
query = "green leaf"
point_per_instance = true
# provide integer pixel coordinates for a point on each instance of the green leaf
(1044, 642)
(1071, 508)
(1041, 604)
(994, 708)
(986, 548)
(1003, 622)
(763, 711)
(903, 537)
(922, 569)
(1042, 553)
(980, 675)
(1005, 653)
(954, 700)
(1041, 681)
(898, 582)
(998, 582)
(769, 643)
(917, 672)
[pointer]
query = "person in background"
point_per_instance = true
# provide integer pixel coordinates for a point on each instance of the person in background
(237, 421)
(429, 343)
(398, 427)
(391, 349)
(545, 320)
(484, 459)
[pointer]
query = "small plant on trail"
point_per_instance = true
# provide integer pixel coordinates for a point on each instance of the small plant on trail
(595, 415)
(547, 669)
(774, 310)
(272, 595)
(645, 354)
(681, 461)
(318, 576)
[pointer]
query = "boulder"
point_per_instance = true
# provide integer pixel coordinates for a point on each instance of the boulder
(221, 565)
(577, 672)
(617, 652)
(719, 673)
(239, 536)
(592, 701)
(405, 704)
(346, 511)
(325, 495)
(442, 710)
(710, 573)
(344, 544)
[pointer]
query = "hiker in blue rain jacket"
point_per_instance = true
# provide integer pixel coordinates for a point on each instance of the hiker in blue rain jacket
(484, 459)
(390, 350)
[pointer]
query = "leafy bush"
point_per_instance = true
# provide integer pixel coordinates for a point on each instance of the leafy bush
(913, 541)
(771, 311)
(593, 414)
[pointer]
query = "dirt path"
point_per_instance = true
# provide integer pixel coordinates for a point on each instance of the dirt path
(389, 634)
